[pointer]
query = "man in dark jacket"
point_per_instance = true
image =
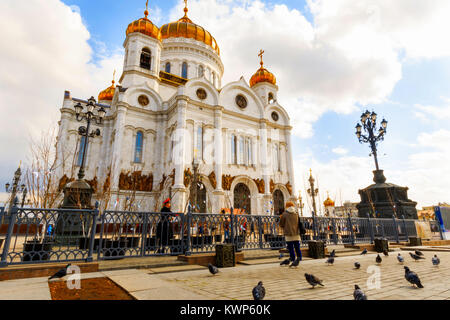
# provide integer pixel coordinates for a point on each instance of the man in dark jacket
(164, 231)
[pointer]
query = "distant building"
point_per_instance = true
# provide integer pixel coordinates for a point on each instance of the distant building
(427, 213)
(346, 209)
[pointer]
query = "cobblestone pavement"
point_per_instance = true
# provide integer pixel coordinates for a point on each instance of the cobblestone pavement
(283, 283)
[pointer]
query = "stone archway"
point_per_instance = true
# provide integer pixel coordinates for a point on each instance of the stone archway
(278, 201)
(242, 198)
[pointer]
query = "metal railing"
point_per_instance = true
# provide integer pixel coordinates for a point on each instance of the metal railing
(59, 235)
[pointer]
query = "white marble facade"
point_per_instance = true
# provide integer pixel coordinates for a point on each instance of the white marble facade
(177, 128)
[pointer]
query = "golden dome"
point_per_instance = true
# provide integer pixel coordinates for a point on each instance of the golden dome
(185, 28)
(145, 26)
(108, 93)
(262, 75)
(328, 202)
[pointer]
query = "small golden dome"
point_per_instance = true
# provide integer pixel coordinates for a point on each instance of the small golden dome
(145, 26)
(185, 28)
(262, 75)
(328, 202)
(108, 93)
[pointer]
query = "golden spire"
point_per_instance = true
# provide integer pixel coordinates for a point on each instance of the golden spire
(146, 10)
(185, 8)
(261, 52)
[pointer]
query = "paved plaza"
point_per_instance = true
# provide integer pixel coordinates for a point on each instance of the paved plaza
(281, 283)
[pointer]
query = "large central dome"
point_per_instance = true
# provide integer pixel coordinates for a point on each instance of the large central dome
(185, 28)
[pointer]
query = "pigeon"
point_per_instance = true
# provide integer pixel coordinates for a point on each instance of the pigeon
(212, 269)
(419, 253)
(295, 263)
(358, 294)
(386, 253)
(61, 273)
(435, 260)
(333, 253)
(330, 260)
(400, 258)
(280, 256)
(364, 251)
(416, 257)
(285, 262)
(313, 280)
(357, 265)
(412, 277)
(259, 291)
(378, 259)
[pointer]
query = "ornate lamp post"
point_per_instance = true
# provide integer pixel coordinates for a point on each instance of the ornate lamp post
(78, 193)
(14, 188)
(369, 123)
(300, 202)
(313, 192)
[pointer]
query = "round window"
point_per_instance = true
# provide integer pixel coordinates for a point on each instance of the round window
(201, 94)
(275, 116)
(143, 100)
(241, 101)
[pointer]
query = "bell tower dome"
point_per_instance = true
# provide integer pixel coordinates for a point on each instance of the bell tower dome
(142, 53)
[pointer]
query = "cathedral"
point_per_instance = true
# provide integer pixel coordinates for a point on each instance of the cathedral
(171, 122)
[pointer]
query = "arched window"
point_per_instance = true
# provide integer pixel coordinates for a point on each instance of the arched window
(146, 59)
(167, 68)
(199, 143)
(276, 158)
(138, 147)
(184, 70)
(201, 71)
(233, 149)
(271, 99)
(81, 150)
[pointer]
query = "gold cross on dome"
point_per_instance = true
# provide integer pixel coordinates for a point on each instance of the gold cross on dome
(146, 9)
(261, 52)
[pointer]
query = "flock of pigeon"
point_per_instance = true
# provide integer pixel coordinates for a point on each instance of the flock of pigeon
(259, 291)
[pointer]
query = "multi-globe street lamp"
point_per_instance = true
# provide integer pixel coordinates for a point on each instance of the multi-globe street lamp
(89, 116)
(369, 123)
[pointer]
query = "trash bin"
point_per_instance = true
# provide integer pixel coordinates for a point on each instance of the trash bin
(316, 249)
(381, 245)
(225, 255)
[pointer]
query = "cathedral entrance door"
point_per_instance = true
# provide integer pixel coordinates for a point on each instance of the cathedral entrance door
(200, 202)
(242, 198)
(278, 201)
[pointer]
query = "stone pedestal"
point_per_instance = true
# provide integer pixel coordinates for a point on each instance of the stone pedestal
(381, 245)
(385, 200)
(225, 256)
(316, 249)
(415, 241)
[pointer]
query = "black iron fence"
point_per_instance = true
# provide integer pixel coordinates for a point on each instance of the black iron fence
(58, 235)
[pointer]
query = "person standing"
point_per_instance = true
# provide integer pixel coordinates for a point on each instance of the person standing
(164, 231)
(289, 221)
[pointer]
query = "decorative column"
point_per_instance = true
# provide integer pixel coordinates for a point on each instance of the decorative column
(118, 141)
(290, 164)
(265, 167)
(219, 194)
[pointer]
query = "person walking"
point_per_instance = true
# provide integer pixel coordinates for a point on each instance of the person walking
(289, 221)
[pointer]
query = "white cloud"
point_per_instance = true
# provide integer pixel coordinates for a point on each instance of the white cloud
(340, 150)
(44, 52)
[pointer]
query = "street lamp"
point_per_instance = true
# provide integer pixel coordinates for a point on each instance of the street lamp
(313, 192)
(369, 123)
(301, 204)
(14, 188)
(89, 116)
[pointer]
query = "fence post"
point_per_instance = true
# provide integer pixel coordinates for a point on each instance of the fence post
(260, 231)
(92, 236)
(144, 227)
(100, 242)
(396, 229)
(335, 237)
(12, 221)
(314, 226)
(350, 225)
(232, 227)
(369, 222)
(188, 225)
(382, 229)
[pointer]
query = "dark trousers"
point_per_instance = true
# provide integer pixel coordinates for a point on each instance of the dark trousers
(294, 248)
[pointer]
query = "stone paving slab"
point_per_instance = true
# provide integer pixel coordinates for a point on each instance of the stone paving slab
(25, 289)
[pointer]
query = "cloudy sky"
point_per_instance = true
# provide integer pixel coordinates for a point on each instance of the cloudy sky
(333, 59)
